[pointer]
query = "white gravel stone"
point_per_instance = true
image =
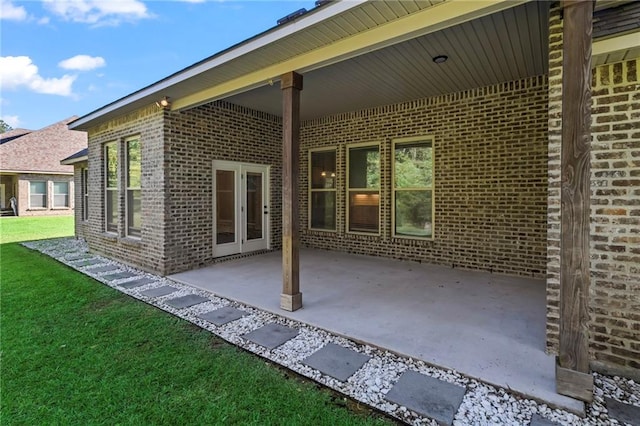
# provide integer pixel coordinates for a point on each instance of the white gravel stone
(482, 404)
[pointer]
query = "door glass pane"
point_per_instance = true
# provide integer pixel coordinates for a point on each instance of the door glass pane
(225, 207)
(254, 206)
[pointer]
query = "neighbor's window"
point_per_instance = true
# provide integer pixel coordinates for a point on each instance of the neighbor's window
(60, 194)
(111, 186)
(38, 195)
(413, 188)
(84, 175)
(363, 188)
(133, 205)
(322, 190)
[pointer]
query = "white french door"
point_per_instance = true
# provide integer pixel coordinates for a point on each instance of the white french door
(240, 207)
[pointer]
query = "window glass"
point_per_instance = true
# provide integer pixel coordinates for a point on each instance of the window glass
(133, 206)
(111, 186)
(60, 194)
(364, 189)
(322, 191)
(38, 195)
(413, 189)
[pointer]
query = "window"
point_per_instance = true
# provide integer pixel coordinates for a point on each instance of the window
(111, 186)
(363, 188)
(413, 188)
(84, 177)
(38, 195)
(60, 194)
(322, 190)
(133, 207)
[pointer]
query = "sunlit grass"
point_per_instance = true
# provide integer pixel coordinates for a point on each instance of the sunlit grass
(77, 352)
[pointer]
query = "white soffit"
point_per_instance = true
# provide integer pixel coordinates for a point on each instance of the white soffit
(615, 49)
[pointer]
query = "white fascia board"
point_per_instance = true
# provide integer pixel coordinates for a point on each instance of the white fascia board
(243, 48)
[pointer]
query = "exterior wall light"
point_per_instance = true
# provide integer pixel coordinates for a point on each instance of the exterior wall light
(164, 103)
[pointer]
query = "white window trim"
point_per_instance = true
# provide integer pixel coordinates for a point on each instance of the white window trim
(349, 189)
(106, 182)
(311, 190)
(126, 184)
(401, 141)
(46, 195)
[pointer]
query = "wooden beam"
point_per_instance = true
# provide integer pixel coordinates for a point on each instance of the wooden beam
(573, 360)
(291, 298)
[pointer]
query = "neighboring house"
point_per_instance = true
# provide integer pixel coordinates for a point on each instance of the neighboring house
(429, 131)
(31, 173)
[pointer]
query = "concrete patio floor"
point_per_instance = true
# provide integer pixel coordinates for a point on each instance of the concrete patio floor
(486, 326)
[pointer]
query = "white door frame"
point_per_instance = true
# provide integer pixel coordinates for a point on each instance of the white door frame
(241, 244)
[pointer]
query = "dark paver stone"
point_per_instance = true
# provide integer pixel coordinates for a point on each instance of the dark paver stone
(223, 315)
(137, 283)
(88, 262)
(427, 396)
(622, 412)
(186, 301)
(159, 291)
(105, 268)
(118, 276)
(538, 420)
(271, 335)
(77, 256)
(336, 361)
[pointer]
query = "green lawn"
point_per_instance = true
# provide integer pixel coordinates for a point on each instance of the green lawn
(76, 352)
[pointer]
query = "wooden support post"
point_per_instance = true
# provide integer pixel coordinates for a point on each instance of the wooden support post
(572, 369)
(291, 85)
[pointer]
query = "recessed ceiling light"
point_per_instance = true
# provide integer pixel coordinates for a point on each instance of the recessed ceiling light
(440, 59)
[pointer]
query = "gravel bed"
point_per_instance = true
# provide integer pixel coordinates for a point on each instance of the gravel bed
(483, 404)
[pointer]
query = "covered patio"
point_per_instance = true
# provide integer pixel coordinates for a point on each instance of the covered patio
(487, 326)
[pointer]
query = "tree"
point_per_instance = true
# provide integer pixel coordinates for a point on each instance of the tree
(4, 127)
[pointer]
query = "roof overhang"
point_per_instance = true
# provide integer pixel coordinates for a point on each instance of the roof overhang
(617, 48)
(243, 68)
(72, 161)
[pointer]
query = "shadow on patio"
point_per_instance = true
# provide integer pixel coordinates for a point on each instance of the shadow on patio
(487, 326)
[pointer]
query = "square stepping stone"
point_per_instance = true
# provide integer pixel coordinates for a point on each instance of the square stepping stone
(137, 283)
(538, 420)
(105, 268)
(118, 276)
(223, 315)
(336, 361)
(88, 262)
(186, 301)
(427, 396)
(77, 256)
(271, 335)
(159, 291)
(623, 413)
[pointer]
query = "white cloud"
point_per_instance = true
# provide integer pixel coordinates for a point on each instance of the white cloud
(12, 120)
(98, 12)
(11, 12)
(82, 63)
(20, 71)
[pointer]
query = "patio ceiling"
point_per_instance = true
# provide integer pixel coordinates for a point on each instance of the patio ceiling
(501, 47)
(356, 54)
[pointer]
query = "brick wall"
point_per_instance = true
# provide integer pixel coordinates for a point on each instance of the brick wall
(24, 183)
(148, 252)
(490, 146)
(615, 210)
(196, 137)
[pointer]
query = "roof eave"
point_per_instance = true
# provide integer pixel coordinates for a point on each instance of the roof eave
(272, 35)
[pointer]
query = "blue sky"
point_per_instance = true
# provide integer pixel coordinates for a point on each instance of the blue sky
(60, 58)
